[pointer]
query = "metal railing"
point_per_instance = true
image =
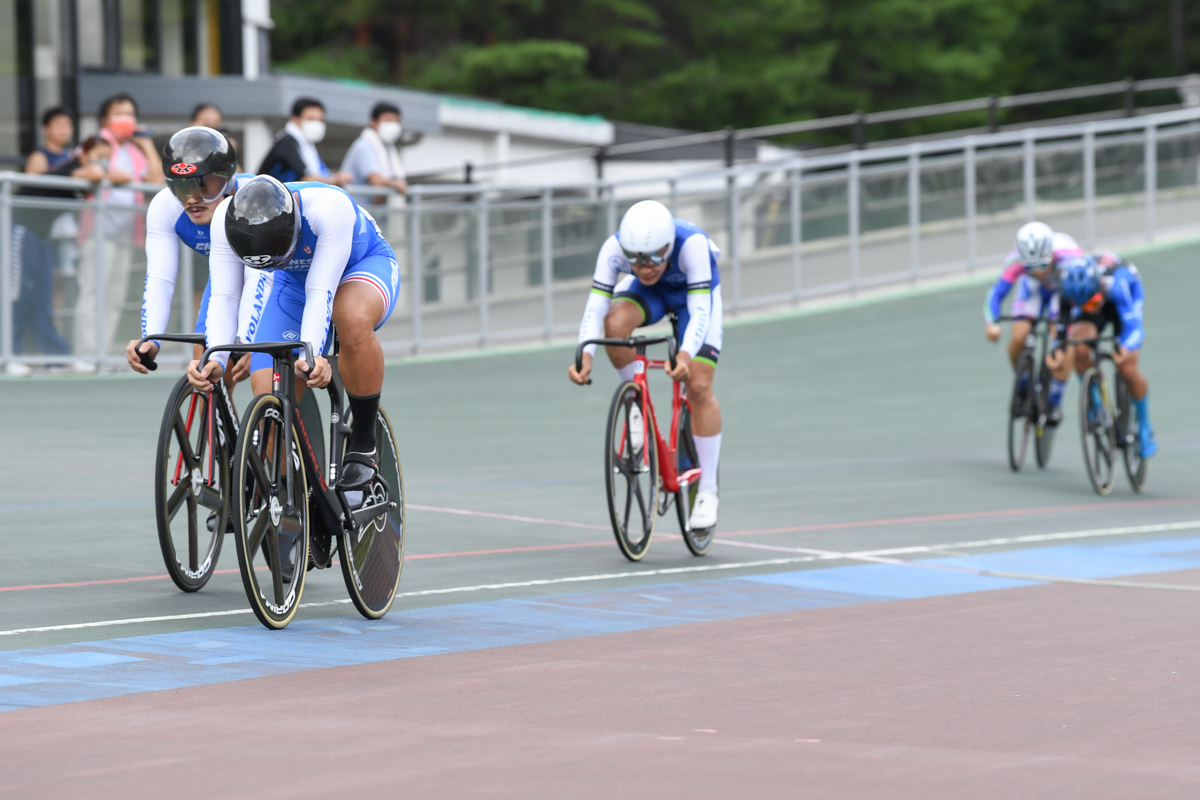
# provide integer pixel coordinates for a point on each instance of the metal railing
(483, 265)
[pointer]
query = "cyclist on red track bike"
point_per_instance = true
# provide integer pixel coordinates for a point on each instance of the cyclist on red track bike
(1034, 267)
(653, 264)
(334, 266)
(199, 165)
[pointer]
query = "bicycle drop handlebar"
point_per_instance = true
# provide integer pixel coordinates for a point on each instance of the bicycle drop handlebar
(640, 342)
(148, 360)
(277, 349)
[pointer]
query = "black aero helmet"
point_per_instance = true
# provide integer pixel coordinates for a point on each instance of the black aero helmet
(199, 162)
(261, 223)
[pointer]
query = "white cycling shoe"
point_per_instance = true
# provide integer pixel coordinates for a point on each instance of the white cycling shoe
(637, 429)
(704, 511)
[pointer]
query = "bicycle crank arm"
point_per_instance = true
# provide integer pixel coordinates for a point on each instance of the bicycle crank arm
(365, 514)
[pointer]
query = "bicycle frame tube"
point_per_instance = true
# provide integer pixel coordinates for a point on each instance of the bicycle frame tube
(667, 448)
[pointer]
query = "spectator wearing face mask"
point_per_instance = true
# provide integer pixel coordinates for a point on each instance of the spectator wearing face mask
(109, 239)
(373, 158)
(293, 156)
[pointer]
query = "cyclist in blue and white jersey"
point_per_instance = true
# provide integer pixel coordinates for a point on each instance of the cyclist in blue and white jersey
(1103, 290)
(653, 264)
(334, 266)
(199, 165)
(1034, 267)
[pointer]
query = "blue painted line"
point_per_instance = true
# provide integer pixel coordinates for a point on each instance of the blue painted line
(111, 668)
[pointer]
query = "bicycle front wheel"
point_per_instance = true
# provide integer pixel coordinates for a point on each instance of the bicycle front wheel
(1099, 440)
(272, 539)
(1128, 437)
(698, 540)
(1020, 424)
(373, 554)
(631, 472)
(191, 476)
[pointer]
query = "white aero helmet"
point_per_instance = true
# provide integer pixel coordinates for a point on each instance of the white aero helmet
(1035, 245)
(646, 228)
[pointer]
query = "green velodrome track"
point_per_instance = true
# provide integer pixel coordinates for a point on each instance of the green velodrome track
(872, 412)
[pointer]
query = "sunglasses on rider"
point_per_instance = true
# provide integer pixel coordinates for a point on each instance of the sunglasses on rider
(1092, 304)
(646, 259)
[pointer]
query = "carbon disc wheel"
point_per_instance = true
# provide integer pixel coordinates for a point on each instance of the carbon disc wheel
(372, 555)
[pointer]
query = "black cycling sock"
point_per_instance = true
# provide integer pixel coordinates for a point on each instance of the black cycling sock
(362, 429)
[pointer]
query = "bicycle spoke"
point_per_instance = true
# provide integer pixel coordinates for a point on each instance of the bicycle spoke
(276, 564)
(193, 535)
(641, 502)
(176, 498)
(185, 445)
(254, 540)
(211, 499)
(628, 505)
(259, 470)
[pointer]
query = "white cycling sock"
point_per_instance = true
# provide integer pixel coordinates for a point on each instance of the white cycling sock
(708, 448)
(628, 371)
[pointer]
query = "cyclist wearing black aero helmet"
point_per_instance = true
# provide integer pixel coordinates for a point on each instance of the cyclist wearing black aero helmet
(334, 265)
(199, 165)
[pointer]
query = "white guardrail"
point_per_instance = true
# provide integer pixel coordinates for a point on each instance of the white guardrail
(499, 264)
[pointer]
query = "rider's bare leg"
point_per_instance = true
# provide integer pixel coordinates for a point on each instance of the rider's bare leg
(1020, 329)
(357, 309)
(706, 411)
(623, 318)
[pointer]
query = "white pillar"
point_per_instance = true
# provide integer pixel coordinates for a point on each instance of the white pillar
(256, 141)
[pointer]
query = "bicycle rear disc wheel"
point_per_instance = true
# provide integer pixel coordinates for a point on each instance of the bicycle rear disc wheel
(190, 488)
(1020, 426)
(1044, 442)
(272, 540)
(1099, 440)
(1129, 437)
(698, 540)
(631, 472)
(372, 556)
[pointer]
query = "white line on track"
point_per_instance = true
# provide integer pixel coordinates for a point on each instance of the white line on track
(810, 556)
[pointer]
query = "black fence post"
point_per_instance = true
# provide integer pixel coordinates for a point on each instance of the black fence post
(993, 107)
(600, 156)
(860, 129)
(729, 145)
(1130, 97)
(468, 168)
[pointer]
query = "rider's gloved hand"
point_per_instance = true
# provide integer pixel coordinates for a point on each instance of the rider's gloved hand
(203, 380)
(581, 376)
(131, 355)
(992, 331)
(321, 373)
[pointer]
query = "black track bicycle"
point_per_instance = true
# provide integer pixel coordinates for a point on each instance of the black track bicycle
(288, 511)
(1030, 404)
(1108, 422)
(192, 472)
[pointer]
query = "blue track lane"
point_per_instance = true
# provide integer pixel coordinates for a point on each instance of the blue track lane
(115, 667)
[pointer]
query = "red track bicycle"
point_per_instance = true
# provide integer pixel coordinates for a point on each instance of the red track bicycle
(642, 481)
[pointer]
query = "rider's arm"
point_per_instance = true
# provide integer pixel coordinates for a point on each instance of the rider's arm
(226, 271)
(162, 262)
(695, 260)
(332, 215)
(608, 271)
(1128, 296)
(1000, 289)
(256, 288)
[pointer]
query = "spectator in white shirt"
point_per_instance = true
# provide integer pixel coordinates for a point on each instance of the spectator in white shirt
(373, 158)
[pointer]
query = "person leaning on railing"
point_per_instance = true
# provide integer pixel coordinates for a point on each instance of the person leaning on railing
(42, 239)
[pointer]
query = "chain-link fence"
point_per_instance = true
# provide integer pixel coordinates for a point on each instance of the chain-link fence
(505, 264)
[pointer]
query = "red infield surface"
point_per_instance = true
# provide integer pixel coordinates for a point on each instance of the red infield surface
(1048, 691)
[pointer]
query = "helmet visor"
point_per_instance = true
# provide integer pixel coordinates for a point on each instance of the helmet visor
(653, 259)
(266, 261)
(206, 188)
